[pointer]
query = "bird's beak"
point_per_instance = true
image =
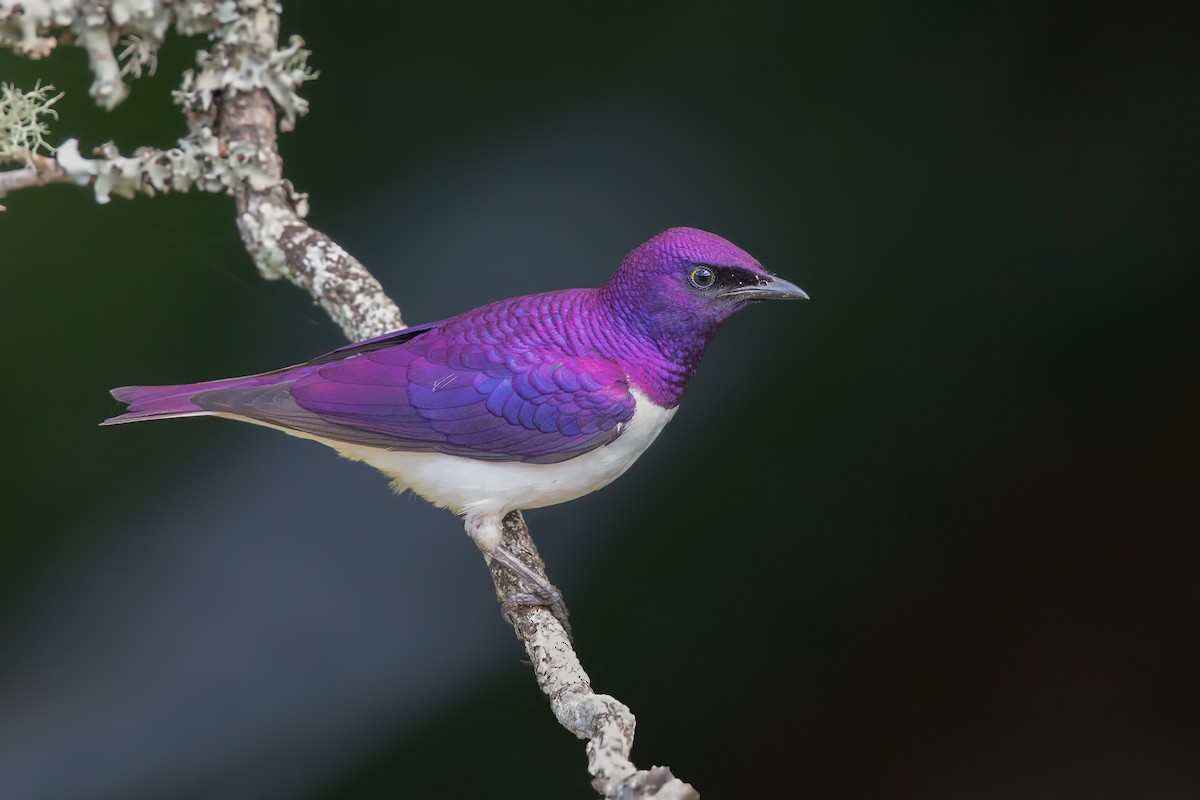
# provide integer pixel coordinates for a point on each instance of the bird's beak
(769, 287)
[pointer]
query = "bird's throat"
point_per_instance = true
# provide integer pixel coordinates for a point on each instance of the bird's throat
(659, 353)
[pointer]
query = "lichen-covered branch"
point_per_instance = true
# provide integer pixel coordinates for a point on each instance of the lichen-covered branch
(270, 211)
(232, 102)
(35, 28)
(606, 723)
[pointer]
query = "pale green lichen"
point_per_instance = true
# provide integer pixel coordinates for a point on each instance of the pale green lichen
(23, 125)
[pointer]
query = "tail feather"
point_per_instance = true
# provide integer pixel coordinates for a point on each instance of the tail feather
(160, 402)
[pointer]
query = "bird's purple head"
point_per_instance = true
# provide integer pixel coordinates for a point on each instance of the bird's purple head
(681, 285)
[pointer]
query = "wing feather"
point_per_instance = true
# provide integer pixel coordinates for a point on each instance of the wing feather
(451, 392)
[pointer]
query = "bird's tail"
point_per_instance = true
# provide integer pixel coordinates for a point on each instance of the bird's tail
(164, 402)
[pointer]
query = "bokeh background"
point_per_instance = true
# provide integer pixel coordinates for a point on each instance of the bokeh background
(931, 535)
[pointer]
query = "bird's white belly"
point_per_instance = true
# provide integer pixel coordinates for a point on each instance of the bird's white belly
(473, 487)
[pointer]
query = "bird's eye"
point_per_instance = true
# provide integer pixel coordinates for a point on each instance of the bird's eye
(702, 277)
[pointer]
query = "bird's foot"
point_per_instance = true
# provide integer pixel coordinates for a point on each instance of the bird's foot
(552, 601)
(542, 592)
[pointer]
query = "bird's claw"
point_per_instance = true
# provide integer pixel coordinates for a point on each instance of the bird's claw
(547, 596)
(539, 590)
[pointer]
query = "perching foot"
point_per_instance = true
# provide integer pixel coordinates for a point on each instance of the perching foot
(542, 592)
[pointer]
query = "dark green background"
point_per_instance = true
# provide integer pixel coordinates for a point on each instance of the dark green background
(930, 535)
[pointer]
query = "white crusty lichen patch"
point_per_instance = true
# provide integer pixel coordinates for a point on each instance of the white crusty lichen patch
(194, 163)
(283, 246)
(198, 161)
(264, 229)
(240, 61)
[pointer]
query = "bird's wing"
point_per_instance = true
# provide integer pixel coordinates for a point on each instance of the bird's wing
(377, 343)
(436, 393)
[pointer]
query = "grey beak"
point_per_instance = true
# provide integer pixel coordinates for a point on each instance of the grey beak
(770, 288)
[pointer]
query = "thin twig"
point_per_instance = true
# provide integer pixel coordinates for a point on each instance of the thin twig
(44, 171)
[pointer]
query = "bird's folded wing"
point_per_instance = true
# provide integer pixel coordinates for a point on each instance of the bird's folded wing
(436, 395)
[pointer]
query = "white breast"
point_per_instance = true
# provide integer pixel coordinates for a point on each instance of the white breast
(471, 487)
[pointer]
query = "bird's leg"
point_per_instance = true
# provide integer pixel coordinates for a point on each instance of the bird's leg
(486, 533)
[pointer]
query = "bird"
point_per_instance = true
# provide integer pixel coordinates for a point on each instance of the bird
(517, 404)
